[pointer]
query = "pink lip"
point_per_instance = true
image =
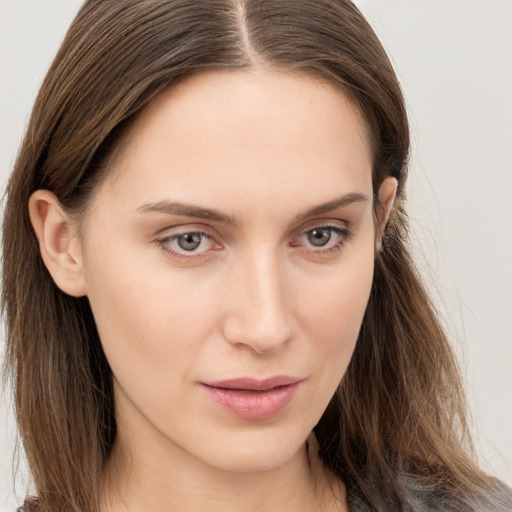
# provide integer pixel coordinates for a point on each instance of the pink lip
(253, 399)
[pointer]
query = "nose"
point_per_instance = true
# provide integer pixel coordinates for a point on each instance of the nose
(259, 315)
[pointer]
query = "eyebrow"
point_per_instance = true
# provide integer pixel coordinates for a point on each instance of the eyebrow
(190, 210)
(333, 205)
(186, 210)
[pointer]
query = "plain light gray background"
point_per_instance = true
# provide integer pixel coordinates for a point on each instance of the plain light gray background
(454, 58)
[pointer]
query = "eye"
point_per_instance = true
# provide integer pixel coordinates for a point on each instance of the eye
(324, 238)
(187, 244)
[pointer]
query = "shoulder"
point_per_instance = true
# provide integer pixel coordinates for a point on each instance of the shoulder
(496, 498)
(420, 497)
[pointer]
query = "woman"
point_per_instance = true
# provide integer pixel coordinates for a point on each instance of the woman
(215, 307)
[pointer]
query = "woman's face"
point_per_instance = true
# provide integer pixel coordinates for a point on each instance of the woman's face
(228, 259)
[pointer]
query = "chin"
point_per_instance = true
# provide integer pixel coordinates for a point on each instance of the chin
(265, 451)
(255, 461)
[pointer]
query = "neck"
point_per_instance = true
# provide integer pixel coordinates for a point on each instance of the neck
(178, 481)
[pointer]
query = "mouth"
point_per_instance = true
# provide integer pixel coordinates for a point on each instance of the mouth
(253, 399)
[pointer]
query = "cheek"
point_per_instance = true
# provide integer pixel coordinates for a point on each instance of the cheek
(333, 309)
(151, 322)
(337, 302)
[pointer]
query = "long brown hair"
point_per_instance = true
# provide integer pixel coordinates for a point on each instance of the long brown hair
(399, 414)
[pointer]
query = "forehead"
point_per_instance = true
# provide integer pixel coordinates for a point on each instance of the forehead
(226, 133)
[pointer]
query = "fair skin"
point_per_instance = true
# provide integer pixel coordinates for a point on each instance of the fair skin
(254, 291)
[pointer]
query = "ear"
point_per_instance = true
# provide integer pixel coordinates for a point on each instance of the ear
(59, 242)
(386, 196)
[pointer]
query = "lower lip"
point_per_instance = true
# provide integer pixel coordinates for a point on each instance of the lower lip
(253, 405)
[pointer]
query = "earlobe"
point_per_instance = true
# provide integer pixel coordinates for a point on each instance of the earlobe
(58, 242)
(386, 196)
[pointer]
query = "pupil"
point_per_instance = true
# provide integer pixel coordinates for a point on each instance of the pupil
(189, 241)
(319, 237)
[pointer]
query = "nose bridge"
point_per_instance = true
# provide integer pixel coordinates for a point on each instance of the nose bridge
(260, 315)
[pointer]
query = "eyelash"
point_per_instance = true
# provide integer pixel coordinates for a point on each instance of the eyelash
(344, 235)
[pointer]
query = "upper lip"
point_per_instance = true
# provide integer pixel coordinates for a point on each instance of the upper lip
(252, 384)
